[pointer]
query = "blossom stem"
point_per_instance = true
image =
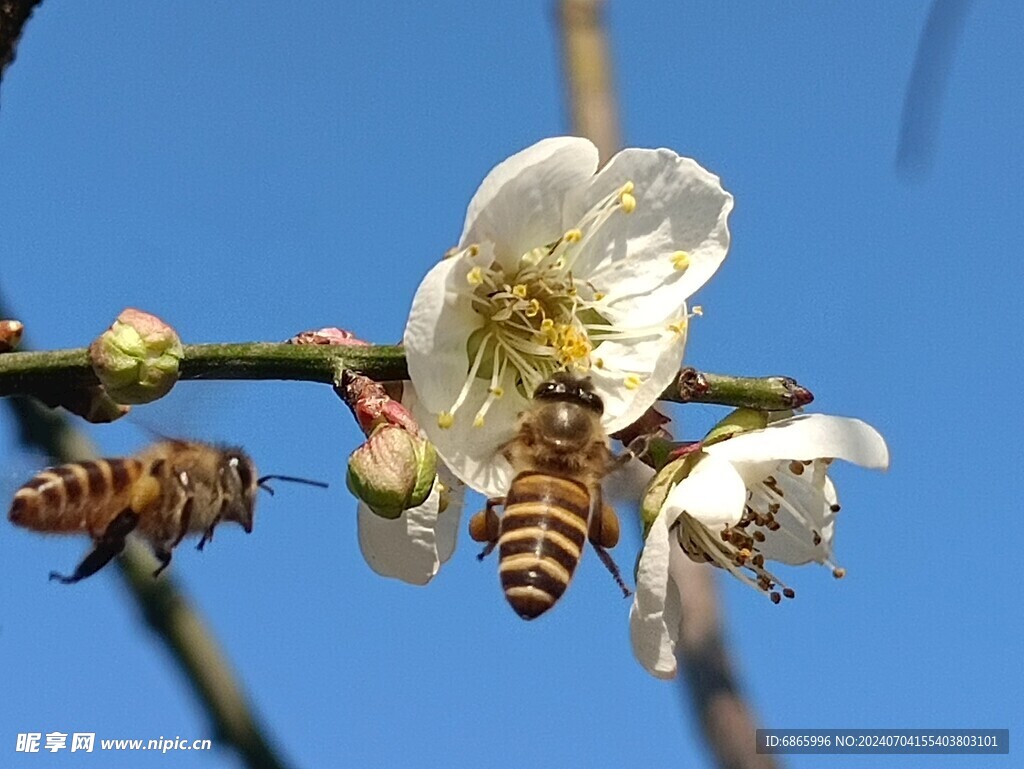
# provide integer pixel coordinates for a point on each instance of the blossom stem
(45, 373)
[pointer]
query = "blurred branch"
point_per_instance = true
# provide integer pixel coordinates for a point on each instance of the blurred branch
(53, 375)
(13, 16)
(588, 74)
(922, 104)
(165, 609)
(713, 692)
(724, 716)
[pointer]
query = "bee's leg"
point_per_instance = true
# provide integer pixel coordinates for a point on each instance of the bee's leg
(635, 449)
(163, 555)
(604, 533)
(184, 522)
(208, 534)
(110, 543)
(485, 526)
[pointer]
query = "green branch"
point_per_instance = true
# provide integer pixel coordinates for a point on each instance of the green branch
(49, 375)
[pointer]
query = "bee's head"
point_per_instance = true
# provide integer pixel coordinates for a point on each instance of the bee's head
(238, 476)
(572, 388)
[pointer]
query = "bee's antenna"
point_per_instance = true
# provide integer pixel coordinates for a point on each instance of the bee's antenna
(262, 482)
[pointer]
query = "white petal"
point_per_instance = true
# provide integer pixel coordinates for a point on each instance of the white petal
(405, 548)
(680, 207)
(655, 359)
(473, 453)
(803, 511)
(519, 204)
(808, 436)
(713, 494)
(447, 528)
(652, 633)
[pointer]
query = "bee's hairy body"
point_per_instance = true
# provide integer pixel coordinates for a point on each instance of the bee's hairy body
(168, 491)
(554, 504)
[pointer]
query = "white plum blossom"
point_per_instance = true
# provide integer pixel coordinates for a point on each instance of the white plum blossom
(413, 546)
(759, 495)
(561, 267)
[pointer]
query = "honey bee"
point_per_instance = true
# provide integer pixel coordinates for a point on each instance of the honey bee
(171, 489)
(559, 455)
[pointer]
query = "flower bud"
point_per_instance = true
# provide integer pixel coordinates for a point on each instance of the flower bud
(137, 358)
(392, 471)
(10, 334)
(739, 421)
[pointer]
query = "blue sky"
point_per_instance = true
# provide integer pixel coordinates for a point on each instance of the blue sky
(247, 174)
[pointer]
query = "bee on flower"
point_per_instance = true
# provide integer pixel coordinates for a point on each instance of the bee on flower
(560, 267)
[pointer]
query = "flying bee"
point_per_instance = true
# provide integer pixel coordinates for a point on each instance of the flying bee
(171, 489)
(559, 455)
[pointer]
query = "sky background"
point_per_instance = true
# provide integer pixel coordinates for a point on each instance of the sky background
(247, 173)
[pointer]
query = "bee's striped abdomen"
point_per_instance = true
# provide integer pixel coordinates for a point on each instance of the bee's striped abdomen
(543, 530)
(77, 497)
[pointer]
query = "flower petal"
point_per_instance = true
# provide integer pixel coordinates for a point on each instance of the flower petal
(473, 453)
(653, 635)
(447, 528)
(680, 207)
(405, 548)
(655, 360)
(713, 494)
(803, 511)
(519, 204)
(808, 436)
(439, 324)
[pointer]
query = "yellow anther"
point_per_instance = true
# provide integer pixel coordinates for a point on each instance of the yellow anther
(680, 260)
(598, 362)
(679, 327)
(698, 310)
(473, 250)
(478, 421)
(519, 290)
(632, 382)
(599, 295)
(573, 236)
(628, 202)
(626, 188)
(475, 276)
(546, 325)
(534, 309)
(445, 420)
(497, 391)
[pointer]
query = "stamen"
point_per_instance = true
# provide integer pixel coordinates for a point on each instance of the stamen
(475, 277)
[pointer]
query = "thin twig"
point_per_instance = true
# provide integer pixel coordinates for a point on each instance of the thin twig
(725, 717)
(53, 375)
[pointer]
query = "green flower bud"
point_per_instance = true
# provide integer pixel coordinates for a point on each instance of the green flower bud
(392, 471)
(739, 421)
(137, 358)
